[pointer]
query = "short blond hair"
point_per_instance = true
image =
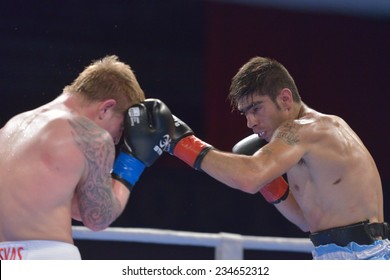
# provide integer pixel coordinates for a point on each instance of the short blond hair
(108, 78)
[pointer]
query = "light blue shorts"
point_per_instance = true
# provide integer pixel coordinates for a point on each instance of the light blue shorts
(379, 250)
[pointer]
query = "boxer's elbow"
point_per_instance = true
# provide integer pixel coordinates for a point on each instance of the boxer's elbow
(96, 223)
(251, 189)
(248, 185)
(96, 227)
(249, 179)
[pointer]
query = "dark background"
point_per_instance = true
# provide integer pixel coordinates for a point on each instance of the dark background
(185, 53)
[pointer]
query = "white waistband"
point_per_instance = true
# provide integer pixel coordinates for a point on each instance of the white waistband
(38, 250)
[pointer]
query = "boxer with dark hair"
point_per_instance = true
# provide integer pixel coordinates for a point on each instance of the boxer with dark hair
(334, 188)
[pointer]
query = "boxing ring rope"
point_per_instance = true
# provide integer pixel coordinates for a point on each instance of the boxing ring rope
(228, 246)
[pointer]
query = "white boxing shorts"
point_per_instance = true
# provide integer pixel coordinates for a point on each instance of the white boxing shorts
(38, 250)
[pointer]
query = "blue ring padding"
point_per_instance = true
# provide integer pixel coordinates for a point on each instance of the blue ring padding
(128, 167)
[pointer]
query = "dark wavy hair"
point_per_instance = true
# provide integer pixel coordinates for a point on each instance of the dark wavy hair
(261, 76)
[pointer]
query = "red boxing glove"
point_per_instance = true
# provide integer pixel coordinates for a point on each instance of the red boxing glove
(186, 146)
(191, 150)
(276, 191)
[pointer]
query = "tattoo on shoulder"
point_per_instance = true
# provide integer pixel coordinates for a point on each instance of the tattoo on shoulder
(266, 150)
(95, 195)
(92, 141)
(287, 132)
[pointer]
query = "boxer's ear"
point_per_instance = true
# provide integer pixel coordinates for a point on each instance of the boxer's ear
(285, 99)
(104, 107)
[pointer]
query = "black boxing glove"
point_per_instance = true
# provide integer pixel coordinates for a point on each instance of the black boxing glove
(186, 146)
(148, 126)
(249, 145)
(277, 190)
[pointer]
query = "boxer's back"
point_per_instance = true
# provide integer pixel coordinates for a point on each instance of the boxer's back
(40, 167)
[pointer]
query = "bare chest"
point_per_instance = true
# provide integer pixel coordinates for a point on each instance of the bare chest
(299, 177)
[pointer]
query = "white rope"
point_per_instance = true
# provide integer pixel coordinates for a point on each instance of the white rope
(228, 246)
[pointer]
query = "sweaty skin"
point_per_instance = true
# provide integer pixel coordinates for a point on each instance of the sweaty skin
(54, 166)
(332, 177)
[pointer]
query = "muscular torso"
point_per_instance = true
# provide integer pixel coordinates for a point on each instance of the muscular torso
(41, 165)
(336, 181)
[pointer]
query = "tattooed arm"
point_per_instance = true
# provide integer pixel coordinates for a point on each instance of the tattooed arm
(100, 199)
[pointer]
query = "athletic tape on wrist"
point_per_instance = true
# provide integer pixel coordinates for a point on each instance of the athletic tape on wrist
(127, 169)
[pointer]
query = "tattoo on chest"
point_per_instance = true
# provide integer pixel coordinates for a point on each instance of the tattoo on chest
(288, 133)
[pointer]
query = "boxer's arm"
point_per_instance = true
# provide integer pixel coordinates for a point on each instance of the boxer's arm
(246, 173)
(276, 191)
(273, 192)
(120, 191)
(100, 199)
